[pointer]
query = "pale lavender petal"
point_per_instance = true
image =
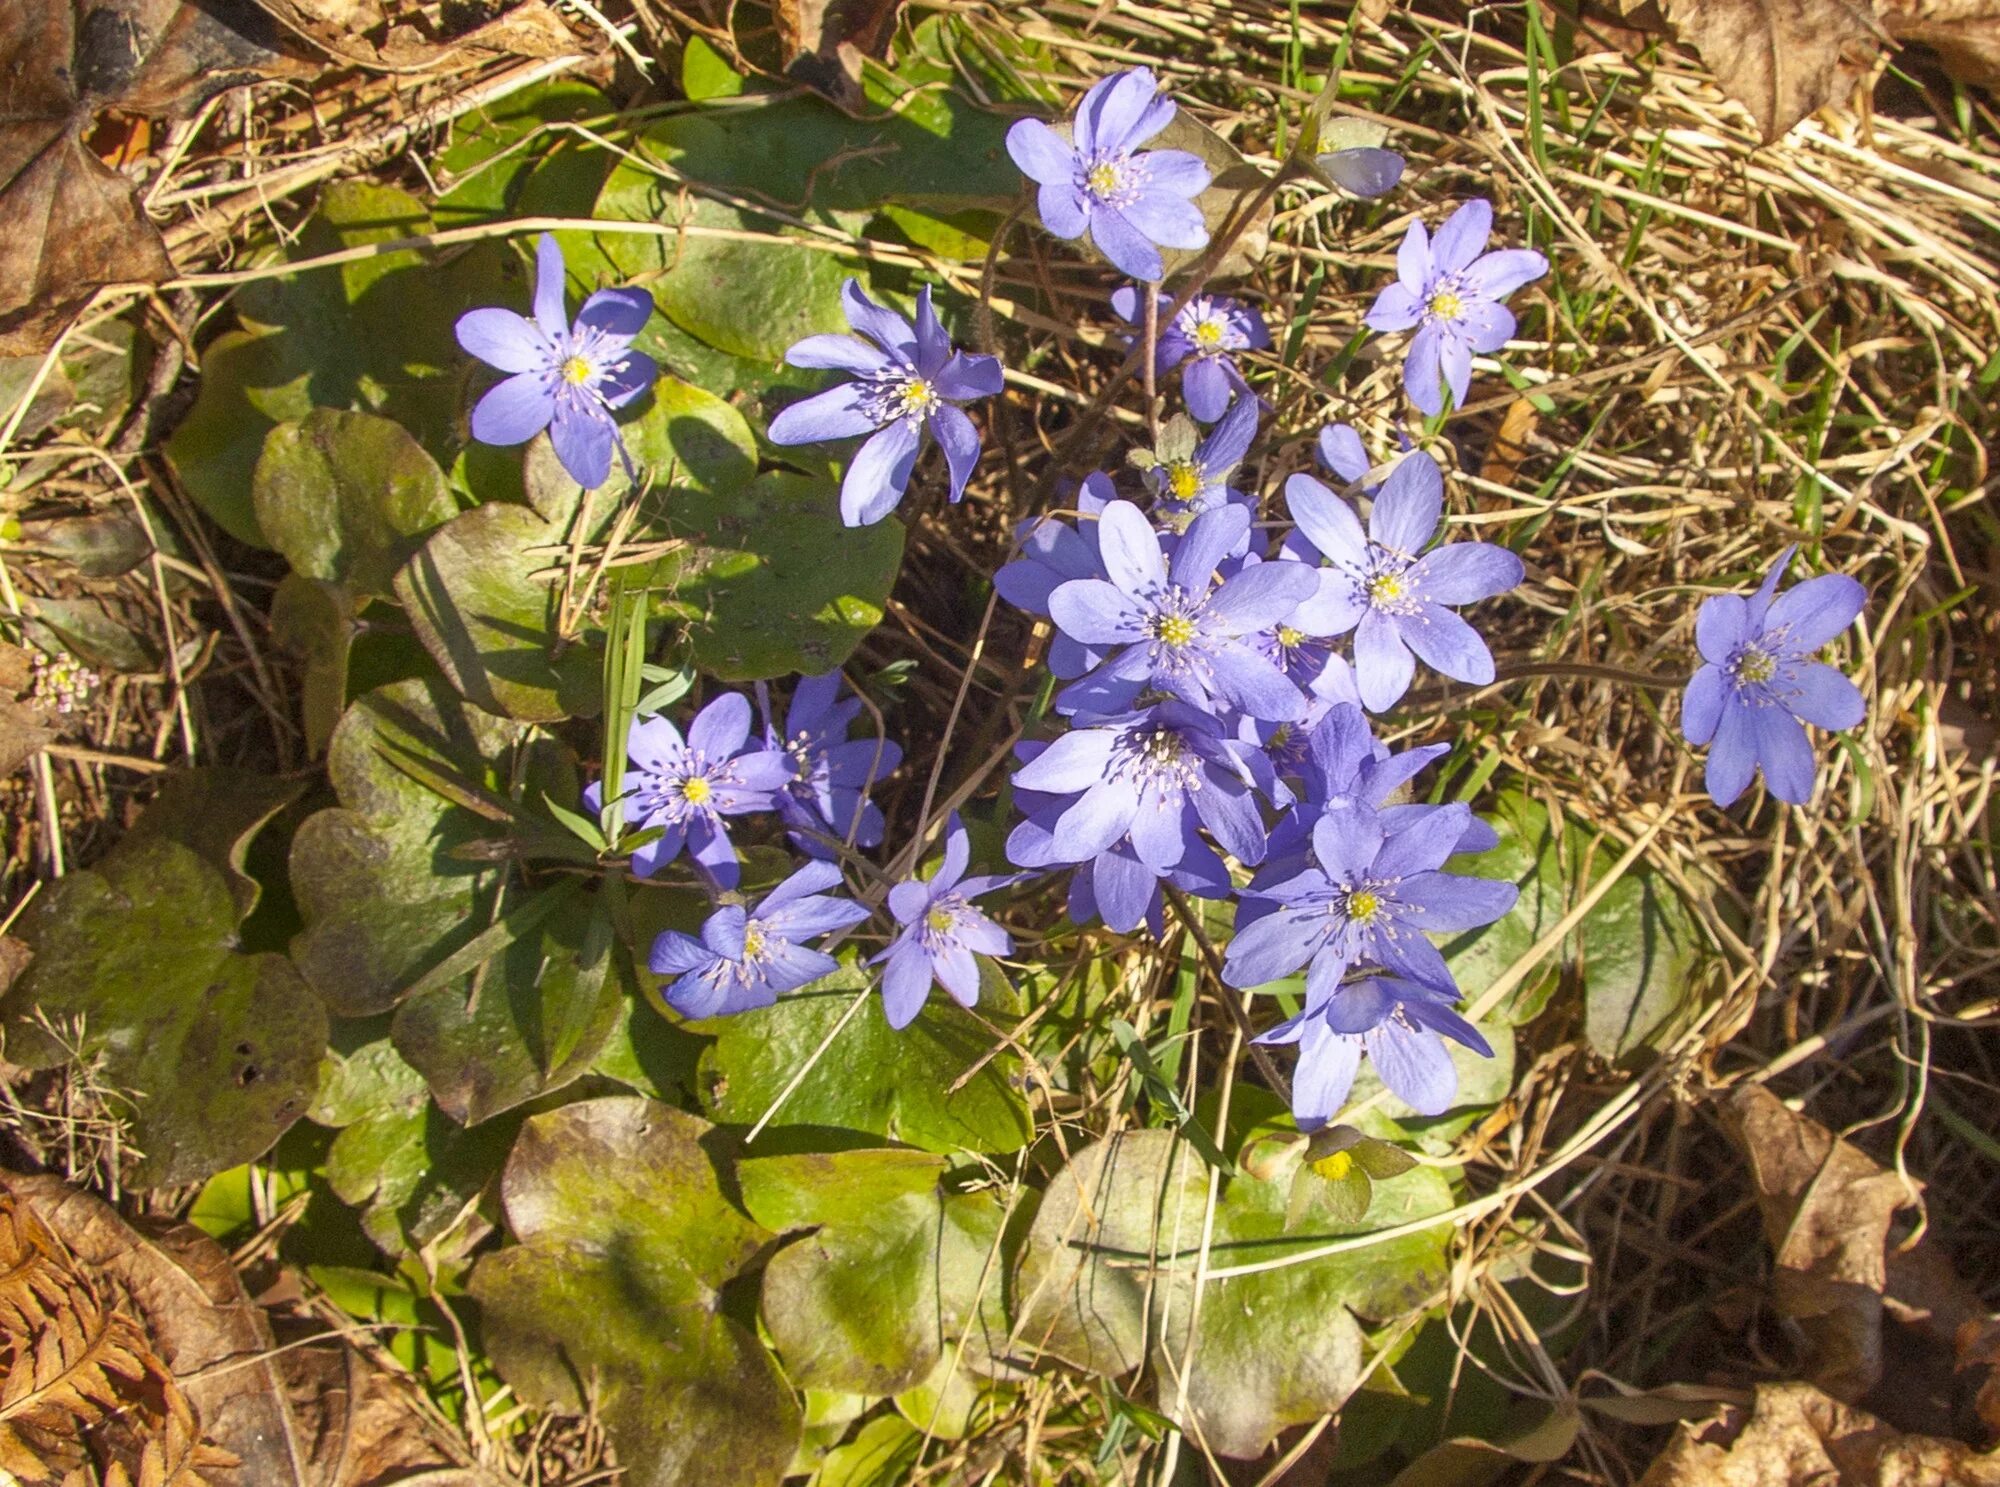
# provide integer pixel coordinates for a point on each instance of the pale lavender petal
(1041, 153)
(1241, 676)
(834, 414)
(1759, 603)
(1157, 836)
(1383, 665)
(630, 376)
(967, 376)
(1413, 1063)
(1406, 510)
(1128, 249)
(906, 982)
(908, 899)
(933, 345)
(504, 340)
(1823, 697)
(514, 411)
(1112, 107)
(960, 442)
(1814, 612)
(1130, 549)
(1451, 903)
(1413, 260)
(1062, 210)
(1096, 821)
(1176, 173)
(1075, 761)
(1421, 844)
(1327, 1065)
(1782, 749)
(1464, 233)
(841, 353)
(1446, 644)
(1486, 326)
(1096, 612)
(875, 481)
(1209, 539)
(721, 728)
(1271, 948)
(959, 974)
(1262, 596)
(1497, 275)
(1422, 369)
(723, 932)
(549, 277)
(1347, 843)
(1233, 817)
(1701, 706)
(957, 855)
(654, 743)
(1171, 221)
(1732, 757)
(1126, 891)
(1455, 362)
(617, 314)
(1328, 522)
(1720, 626)
(1359, 1006)
(583, 442)
(675, 954)
(1465, 572)
(1335, 609)
(1395, 308)
(883, 326)
(1207, 388)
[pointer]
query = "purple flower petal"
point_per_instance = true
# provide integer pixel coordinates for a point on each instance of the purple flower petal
(1485, 326)
(1346, 843)
(654, 743)
(504, 340)
(981, 935)
(1233, 817)
(1130, 550)
(1206, 386)
(909, 899)
(1327, 1066)
(1075, 761)
(1041, 153)
(1128, 249)
(1126, 890)
(616, 314)
(1209, 539)
(933, 345)
(514, 411)
(1421, 844)
(1169, 220)
(960, 442)
(883, 326)
(1465, 572)
(1063, 210)
(1423, 369)
(1256, 686)
(1096, 612)
(1814, 612)
(1157, 835)
(1334, 610)
(1497, 275)
(1445, 643)
(1413, 260)
(625, 380)
(810, 879)
(675, 954)
(1395, 308)
(906, 982)
(1720, 626)
(1455, 362)
(1759, 603)
(721, 728)
(549, 279)
(1451, 903)
(841, 353)
(1176, 173)
(1701, 706)
(1271, 948)
(1824, 698)
(957, 854)
(1328, 522)
(1406, 510)
(1413, 1062)
(836, 413)
(1732, 757)
(958, 972)
(1359, 1006)
(1782, 749)
(1383, 665)
(1262, 596)
(875, 481)
(583, 442)
(1098, 819)
(967, 376)
(1110, 110)
(724, 932)
(1464, 233)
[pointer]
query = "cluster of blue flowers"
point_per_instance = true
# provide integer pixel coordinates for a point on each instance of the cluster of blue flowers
(1216, 736)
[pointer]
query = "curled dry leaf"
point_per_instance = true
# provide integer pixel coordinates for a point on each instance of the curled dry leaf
(1964, 33)
(1795, 1436)
(826, 40)
(64, 62)
(408, 38)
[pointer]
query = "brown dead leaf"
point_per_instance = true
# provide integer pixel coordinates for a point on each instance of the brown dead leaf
(826, 40)
(368, 33)
(1827, 1208)
(1510, 443)
(14, 958)
(1795, 1436)
(73, 223)
(1964, 33)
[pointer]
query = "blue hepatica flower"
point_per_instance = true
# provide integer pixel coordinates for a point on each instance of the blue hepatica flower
(749, 957)
(941, 933)
(1761, 682)
(1052, 553)
(1393, 598)
(1203, 337)
(1174, 627)
(1188, 474)
(1450, 291)
(1132, 202)
(828, 792)
(563, 377)
(1400, 1025)
(906, 379)
(688, 786)
(1372, 899)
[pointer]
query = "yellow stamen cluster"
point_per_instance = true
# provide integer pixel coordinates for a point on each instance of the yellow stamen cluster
(696, 790)
(1289, 638)
(1386, 588)
(1208, 334)
(918, 397)
(753, 942)
(1175, 630)
(1363, 906)
(1104, 179)
(1446, 305)
(1183, 479)
(575, 371)
(1753, 665)
(940, 920)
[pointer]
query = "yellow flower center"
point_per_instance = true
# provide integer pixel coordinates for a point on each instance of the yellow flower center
(918, 397)
(1754, 665)
(1289, 638)
(1386, 588)
(696, 790)
(1183, 479)
(1363, 906)
(1208, 334)
(1446, 305)
(1175, 630)
(1104, 178)
(1282, 736)
(575, 371)
(940, 920)
(753, 942)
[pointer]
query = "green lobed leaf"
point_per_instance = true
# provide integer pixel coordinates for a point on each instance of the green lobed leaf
(869, 1302)
(1640, 950)
(347, 497)
(871, 1078)
(317, 623)
(625, 1238)
(216, 811)
(881, 1454)
(216, 1052)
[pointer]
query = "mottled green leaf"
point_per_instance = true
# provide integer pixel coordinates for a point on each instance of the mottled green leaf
(871, 1078)
(216, 811)
(1639, 950)
(217, 1053)
(880, 1455)
(625, 1238)
(317, 623)
(347, 497)
(870, 1300)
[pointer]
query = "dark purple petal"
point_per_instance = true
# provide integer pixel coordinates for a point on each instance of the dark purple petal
(1814, 612)
(627, 378)
(723, 931)
(967, 376)
(1759, 603)
(1328, 522)
(1207, 387)
(675, 954)
(1823, 697)
(1701, 705)
(1431, 1012)
(875, 481)
(1732, 757)
(1414, 957)
(933, 345)
(1358, 1006)
(1498, 274)
(696, 997)
(1125, 889)
(1395, 308)
(883, 326)
(657, 853)
(514, 411)
(1423, 369)
(1233, 817)
(1406, 510)
(1446, 643)
(504, 340)
(1383, 664)
(616, 314)
(1041, 153)
(583, 442)
(960, 442)
(1464, 572)
(1464, 233)
(550, 314)
(1128, 249)
(906, 982)
(1450, 902)
(1782, 749)
(841, 353)
(1026, 583)
(1130, 549)
(1229, 440)
(836, 413)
